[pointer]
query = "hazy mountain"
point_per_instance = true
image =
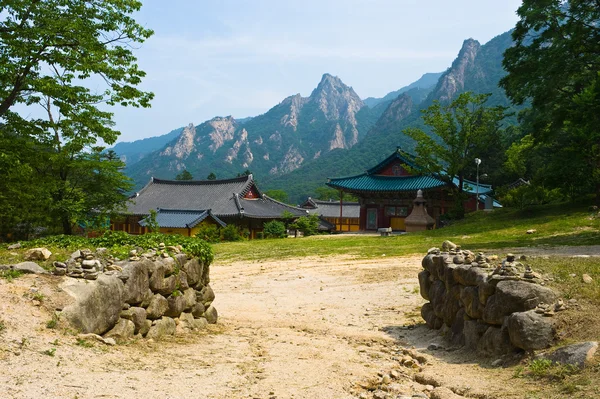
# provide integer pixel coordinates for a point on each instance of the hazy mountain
(293, 132)
(132, 152)
(477, 68)
(424, 84)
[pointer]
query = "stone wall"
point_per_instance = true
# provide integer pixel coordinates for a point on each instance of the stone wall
(151, 295)
(490, 306)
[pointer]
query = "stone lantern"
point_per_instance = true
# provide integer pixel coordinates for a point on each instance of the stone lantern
(419, 219)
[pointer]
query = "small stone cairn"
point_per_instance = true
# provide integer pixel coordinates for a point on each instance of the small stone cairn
(151, 294)
(494, 307)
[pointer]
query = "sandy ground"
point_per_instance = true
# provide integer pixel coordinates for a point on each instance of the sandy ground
(300, 328)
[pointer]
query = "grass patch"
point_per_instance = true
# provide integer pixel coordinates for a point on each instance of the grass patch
(567, 274)
(53, 322)
(2, 326)
(556, 225)
(9, 275)
(83, 343)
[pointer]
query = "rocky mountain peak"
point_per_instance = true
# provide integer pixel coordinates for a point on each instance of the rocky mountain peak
(336, 100)
(184, 144)
(453, 81)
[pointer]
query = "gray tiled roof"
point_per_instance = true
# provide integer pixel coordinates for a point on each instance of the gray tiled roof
(264, 208)
(174, 218)
(331, 209)
(217, 195)
(225, 198)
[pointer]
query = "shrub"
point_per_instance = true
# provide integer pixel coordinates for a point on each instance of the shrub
(274, 229)
(230, 233)
(209, 233)
(309, 225)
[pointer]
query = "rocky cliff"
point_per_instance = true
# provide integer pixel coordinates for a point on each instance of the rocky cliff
(277, 142)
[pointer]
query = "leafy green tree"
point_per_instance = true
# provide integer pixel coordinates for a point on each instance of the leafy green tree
(274, 229)
(211, 176)
(51, 54)
(328, 193)
(554, 66)
(185, 175)
(308, 225)
(151, 222)
(461, 131)
(278, 195)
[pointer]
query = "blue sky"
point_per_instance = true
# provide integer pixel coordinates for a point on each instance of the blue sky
(240, 58)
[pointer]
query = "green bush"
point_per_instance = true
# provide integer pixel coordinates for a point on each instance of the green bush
(230, 233)
(209, 233)
(274, 229)
(308, 225)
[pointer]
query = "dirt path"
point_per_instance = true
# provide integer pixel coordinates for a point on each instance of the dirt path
(301, 328)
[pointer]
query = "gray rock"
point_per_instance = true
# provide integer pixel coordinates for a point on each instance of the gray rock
(189, 296)
(88, 264)
(177, 304)
(207, 295)
(146, 298)
(161, 328)
(28, 267)
(14, 246)
(448, 245)
(122, 331)
(157, 307)
(473, 331)
(424, 284)
(137, 315)
(575, 355)
(145, 328)
(97, 304)
(530, 330)
(199, 323)
(495, 341)
(211, 315)
(198, 310)
(161, 284)
(514, 296)
(586, 278)
(430, 318)
(37, 254)
(469, 275)
(138, 282)
(469, 297)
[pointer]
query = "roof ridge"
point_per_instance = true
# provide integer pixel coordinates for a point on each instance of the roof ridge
(283, 203)
(238, 179)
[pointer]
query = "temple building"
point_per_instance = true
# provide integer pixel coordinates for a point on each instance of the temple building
(340, 216)
(387, 192)
(183, 206)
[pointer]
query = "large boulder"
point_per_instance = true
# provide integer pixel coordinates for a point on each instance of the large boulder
(161, 328)
(97, 304)
(25, 267)
(495, 341)
(122, 331)
(530, 330)
(473, 330)
(211, 315)
(515, 296)
(424, 284)
(37, 254)
(575, 355)
(157, 308)
(469, 275)
(430, 318)
(206, 295)
(137, 281)
(137, 315)
(194, 269)
(469, 296)
(177, 304)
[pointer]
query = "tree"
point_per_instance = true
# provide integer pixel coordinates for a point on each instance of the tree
(461, 131)
(278, 195)
(554, 66)
(51, 53)
(308, 225)
(185, 175)
(211, 176)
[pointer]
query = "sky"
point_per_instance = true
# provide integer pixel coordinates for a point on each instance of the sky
(236, 57)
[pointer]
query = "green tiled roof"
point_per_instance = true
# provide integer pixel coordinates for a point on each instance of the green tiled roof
(368, 182)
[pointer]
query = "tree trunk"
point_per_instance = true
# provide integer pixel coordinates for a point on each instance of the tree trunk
(67, 226)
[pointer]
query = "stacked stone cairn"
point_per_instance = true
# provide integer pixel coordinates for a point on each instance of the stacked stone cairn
(152, 294)
(492, 307)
